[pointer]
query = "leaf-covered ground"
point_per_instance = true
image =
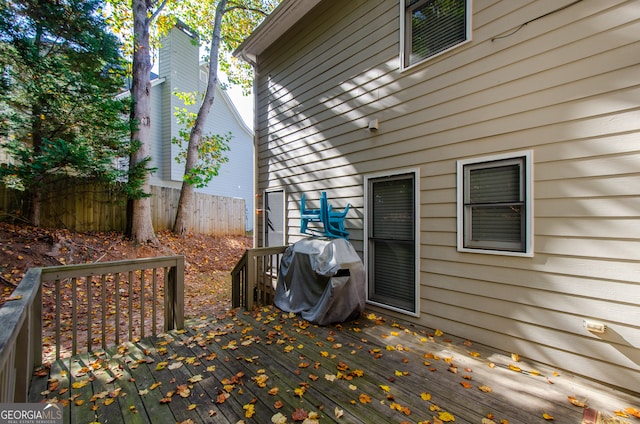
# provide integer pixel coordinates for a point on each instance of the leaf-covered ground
(209, 259)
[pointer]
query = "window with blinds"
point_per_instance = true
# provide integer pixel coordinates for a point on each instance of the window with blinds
(495, 204)
(432, 27)
(391, 242)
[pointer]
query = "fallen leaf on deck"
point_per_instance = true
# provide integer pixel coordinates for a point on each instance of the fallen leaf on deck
(261, 380)
(249, 410)
(279, 419)
(195, 378)
(183, 390)
(357, 373)
(633, 411)
(338, 412)
(446, 416)
(576, 402)
(425, 396)
(547, 417)
(364, 398)
(299, 414)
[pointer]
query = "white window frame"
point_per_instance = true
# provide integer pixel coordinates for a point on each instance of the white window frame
(416, 194)
(404, 28)
(527, 157)
(265, 224)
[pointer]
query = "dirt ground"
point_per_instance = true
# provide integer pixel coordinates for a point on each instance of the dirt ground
(209, 259)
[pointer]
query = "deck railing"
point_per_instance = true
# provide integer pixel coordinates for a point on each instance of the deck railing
(78, 307)
(255, 275)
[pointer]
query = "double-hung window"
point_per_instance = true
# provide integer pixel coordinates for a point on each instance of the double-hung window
(495, 204)
(431, 27)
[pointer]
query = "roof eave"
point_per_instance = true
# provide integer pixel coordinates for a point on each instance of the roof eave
(273, 27)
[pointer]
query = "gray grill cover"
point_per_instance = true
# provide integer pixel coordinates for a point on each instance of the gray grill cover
(322, 280)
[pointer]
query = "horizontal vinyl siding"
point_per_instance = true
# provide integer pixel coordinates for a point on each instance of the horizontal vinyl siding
(184, 77)
(565, 86)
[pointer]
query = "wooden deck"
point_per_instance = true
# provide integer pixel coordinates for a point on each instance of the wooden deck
(252, 366)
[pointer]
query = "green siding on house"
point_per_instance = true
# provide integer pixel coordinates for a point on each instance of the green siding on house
(179, 59)
(564, 87)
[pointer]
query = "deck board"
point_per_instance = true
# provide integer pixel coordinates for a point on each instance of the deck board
(336, 367)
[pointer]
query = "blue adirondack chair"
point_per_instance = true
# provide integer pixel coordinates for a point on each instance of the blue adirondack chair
(307, 215)
(332, 221)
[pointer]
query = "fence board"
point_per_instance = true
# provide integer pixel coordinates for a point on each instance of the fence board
(89, 206)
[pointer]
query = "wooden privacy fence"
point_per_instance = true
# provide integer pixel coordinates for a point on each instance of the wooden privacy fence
(82, 205)
(211, 214)
(76, 308)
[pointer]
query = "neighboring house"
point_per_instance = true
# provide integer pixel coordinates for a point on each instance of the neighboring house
(180, 70)
(491, 154)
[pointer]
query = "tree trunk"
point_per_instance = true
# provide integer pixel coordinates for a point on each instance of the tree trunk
(36, 206)
(185, 204)
(141, 224)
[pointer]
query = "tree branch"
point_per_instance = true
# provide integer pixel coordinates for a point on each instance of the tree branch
(158, 10)
(250, 9)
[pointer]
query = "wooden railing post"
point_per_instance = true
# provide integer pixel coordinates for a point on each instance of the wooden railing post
(257, 268)
(20, 338)
(250, 284)
(174, 296)
(178, 308)
(238, 280)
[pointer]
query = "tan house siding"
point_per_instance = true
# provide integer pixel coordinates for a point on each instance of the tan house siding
(564, 87)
